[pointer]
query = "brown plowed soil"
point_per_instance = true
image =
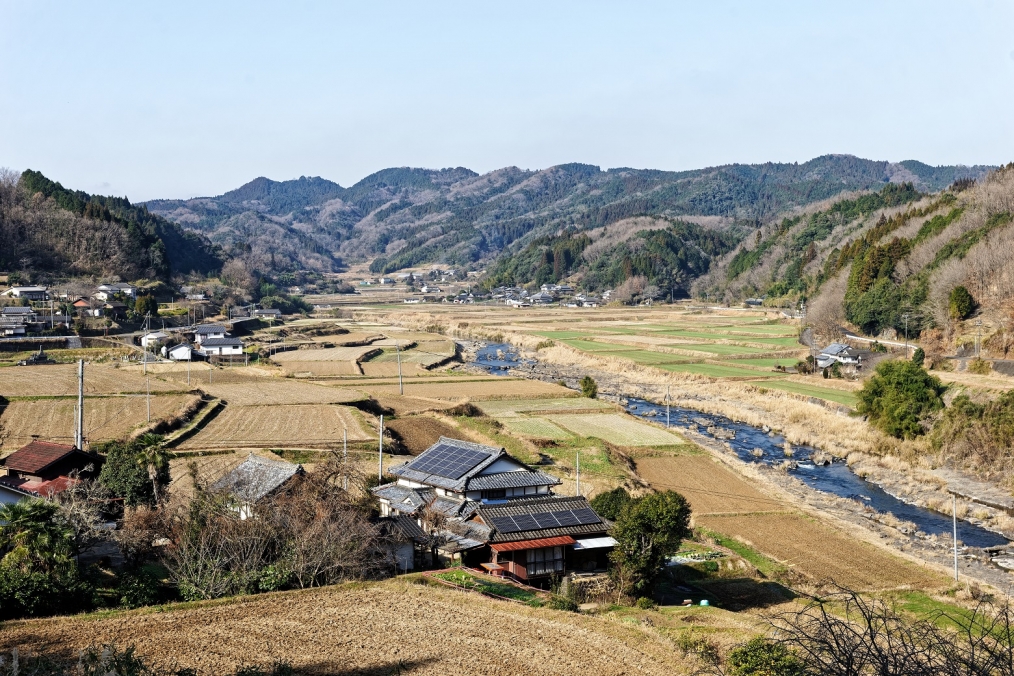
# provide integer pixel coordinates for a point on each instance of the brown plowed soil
(417, 433)
(391, 627)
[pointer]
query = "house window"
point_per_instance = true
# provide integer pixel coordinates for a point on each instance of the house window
(545, 561)
(494, 494)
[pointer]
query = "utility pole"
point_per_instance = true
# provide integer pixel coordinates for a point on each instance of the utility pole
(978, 338)
(147, 398)
(401, 385)
(345, 458)
(578, 480)
(906, 315)
(188, 368)
(79, 433)
(380, 455)
(667, 406)
(954, 517)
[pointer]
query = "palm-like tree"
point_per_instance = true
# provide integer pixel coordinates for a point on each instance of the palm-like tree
(151, 454)
(32, 536)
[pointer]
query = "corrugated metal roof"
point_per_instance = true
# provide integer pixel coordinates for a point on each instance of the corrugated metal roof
(539, 543)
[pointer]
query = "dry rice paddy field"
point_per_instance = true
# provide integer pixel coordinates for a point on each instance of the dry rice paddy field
(279, 426)
(821, 552)
(111, 417)
(616, 428)
(61, 380)
(274, 391)
(426, 630)
(486, 389)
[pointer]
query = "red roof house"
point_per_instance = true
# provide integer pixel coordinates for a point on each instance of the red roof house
(47, 464)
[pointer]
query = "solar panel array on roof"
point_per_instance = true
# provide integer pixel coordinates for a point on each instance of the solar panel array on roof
(451, 462)
(560, 519)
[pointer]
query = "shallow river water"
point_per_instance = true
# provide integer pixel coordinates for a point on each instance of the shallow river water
(752, 444)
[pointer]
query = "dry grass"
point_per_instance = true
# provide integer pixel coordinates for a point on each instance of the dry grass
(326, 354)
(61, 379)
(710, 487)
(428, 630)
(821, 552)
(282, 426)
(106, 418)
(617, 429)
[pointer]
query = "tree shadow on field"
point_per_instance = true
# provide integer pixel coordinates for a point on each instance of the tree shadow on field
(396, 668)
(745, 593)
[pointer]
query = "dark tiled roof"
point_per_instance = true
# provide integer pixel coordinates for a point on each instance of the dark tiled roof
(15, 310)
(220, 342)
(402, 498)
(257, 477)
(511, 480)
(409, 471)
(458, 536)
(407, 526)
(37, 456)
(210, 328)
(540, 506)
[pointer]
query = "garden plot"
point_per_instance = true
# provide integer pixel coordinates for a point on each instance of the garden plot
(820, 552)
(279, 426)
(536, 428)
(616, 429)
(106, 418)
(509, 408)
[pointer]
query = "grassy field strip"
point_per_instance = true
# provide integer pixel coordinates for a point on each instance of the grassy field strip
(720, 371)
(616, 429)
(475, 390)
(511, 407)
(537, 428)
(837, 396)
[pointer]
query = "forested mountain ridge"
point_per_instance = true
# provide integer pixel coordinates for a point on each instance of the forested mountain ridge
(48, 229)
(880, 260)
(404, 217)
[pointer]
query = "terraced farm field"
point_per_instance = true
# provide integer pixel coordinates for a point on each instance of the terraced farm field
(821, 552)
(616, 429)
(263, 391)
(720, 370)
(325, 354)
(536, 428)
(475, 390)
(710, 487)
(61, 379)
(282, 426)
(506, 408)
(429, 631)
(839, 396)
(106, 418)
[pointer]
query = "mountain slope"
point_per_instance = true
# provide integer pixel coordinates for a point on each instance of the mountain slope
(868, 261)
(404, 217)
(46, 228)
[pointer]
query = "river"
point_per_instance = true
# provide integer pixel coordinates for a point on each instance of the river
(752, 444)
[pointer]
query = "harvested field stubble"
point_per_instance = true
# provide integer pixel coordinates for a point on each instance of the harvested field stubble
(820, 552)
(420, 432)
(484, 390)
(106, 418)
(536, 428)
(280, 391)
(54, 380)
(283, 426)
(710, 487)
(504, 408)
(333, 630)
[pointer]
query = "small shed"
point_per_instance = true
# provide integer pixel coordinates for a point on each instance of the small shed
(181, 352)
(152, 339)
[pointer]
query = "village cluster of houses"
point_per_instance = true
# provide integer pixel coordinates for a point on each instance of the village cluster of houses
(457, 501)
(549, 294)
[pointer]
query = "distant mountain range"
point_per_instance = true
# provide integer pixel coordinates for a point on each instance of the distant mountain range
(404, 217)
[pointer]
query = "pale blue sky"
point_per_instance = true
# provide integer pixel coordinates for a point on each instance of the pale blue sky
(183, 99)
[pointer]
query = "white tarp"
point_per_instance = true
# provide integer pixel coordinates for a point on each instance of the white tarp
(595, 543)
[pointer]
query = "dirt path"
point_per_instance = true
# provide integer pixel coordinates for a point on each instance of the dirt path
(377, 628)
